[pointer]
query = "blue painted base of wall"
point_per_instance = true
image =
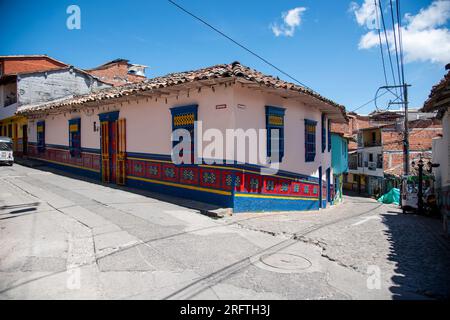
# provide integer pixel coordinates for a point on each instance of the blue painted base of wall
(248, 204)
(223, 201)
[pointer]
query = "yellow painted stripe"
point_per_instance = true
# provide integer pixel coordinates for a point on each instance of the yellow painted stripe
(245, 195)
(66, 164)
(173, 184)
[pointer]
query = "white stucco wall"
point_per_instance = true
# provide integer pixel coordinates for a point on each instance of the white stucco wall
(41, 87)
(7, 90)
(253, 116)
(57, 129)
(149, 123)
(441, 153)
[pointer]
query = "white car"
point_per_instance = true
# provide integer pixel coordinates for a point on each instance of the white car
(6, 151)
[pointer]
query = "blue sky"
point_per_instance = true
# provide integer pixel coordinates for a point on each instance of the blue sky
(322, 49)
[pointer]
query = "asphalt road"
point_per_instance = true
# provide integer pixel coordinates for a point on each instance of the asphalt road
(65, 238)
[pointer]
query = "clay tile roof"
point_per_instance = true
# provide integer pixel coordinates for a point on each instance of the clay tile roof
(233, 70)
(439, 98)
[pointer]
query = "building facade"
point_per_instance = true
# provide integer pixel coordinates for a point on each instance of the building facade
(30, 80)
(439, 101)
(339, 163)
(123, 136)
(10, 67)
(119, 72)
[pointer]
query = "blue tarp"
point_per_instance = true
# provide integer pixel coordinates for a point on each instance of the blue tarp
(392, 196)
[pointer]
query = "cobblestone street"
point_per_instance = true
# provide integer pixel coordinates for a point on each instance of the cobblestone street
(65, 238)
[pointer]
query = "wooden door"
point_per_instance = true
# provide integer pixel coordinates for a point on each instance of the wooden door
(113, 150)
(121, 152)
(25, 139)
(105, 151)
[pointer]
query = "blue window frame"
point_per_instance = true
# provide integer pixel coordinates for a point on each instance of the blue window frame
(184, 118)
(275, 121)
(324, 134)
(310, 140)
(40, 134)
(329, 135)
(75, 137)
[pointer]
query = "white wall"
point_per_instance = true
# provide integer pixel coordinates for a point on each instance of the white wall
(149, 123)
(41, 87)
(441, 153)
(7, 90)
(253, 116)
(57, 129)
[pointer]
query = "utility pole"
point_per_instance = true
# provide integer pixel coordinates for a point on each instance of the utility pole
(406, 128)
(406, 134)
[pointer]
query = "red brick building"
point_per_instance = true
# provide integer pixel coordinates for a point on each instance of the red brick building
(119, 72)
(350, 129)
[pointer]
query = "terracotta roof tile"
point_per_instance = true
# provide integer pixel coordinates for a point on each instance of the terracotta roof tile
(233, 70)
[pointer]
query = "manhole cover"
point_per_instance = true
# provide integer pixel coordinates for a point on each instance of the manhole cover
(285, 261)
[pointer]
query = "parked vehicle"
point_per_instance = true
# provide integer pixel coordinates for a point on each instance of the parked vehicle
(6, 151)
(409, 194)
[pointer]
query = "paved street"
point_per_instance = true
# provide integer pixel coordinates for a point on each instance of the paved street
(65, 238)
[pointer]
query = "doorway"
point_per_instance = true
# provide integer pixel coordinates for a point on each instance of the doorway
(113, 148)
(25, 139)
(328, 177)
(320, 187)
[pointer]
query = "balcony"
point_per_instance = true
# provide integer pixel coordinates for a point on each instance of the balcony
(372, 144)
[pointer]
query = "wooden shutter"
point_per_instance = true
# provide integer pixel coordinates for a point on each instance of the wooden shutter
(105, 151)
(121, 153)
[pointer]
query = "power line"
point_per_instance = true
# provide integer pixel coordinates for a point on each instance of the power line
(381, 43)
(365, 104)
(387, 44)
(238, 44)
(399, 30)
(395, 42)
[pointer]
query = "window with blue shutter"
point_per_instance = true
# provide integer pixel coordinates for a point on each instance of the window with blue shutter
(184, 118)
(75, 138)
(40, 135)
(275, 121)
(310, 140)
(324, 134)
(329, 135)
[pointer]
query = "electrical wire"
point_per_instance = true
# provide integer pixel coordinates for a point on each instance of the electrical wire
(387, 44)
(381, 42)
(396, 49)
(374, 99)
(239, 44)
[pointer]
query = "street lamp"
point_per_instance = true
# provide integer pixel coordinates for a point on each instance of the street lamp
(420, 191)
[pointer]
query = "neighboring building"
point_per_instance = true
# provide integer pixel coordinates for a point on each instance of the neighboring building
(122, 136)
(378, 163)
(10, 67)
(439, 101)
(339, 163)
(31, 80)
(119, 72)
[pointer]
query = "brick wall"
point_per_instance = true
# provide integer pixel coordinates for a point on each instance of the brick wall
(420, 144)
(116, 74)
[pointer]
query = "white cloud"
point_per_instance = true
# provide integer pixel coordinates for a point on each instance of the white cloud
(365, 14)
(291, 20)
(434, 16)
(424, 37)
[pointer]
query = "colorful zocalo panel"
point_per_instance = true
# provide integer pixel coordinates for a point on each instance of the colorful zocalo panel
(241, 187)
